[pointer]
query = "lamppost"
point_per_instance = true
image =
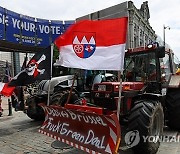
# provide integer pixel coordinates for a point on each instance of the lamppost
(164, 28)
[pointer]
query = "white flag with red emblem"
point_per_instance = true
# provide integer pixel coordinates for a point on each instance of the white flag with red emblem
(94, 45)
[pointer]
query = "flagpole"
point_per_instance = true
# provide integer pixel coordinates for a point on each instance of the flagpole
(49, 86)
(120, 91)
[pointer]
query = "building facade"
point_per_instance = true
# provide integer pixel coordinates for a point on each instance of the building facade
(14, 58)
(5, 56)
(140, 33)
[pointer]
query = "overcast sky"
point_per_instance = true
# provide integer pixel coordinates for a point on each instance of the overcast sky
(162, 12)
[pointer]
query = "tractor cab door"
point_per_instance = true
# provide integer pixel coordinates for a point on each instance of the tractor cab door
(140, 68)
(165, 68)
(143, 67)
(169, 66)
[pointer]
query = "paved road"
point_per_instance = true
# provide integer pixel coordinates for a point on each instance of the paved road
(19, 135)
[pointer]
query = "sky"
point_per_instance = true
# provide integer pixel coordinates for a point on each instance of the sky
(162, 13)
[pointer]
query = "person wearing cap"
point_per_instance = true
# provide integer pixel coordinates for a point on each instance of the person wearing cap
(152, 70)
(178, 70)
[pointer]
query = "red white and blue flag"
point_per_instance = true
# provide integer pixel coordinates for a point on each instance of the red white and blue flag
(94, 45)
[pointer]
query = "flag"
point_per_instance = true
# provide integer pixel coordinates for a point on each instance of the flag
(5, 89)
(38, 68)
(94, 45)
(7, 76)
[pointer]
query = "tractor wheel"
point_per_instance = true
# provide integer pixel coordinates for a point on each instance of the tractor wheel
(146, 118)
(34, 111)
(60, 98)
(173, 108)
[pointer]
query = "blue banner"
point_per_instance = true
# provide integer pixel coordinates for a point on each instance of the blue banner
(17, 28)
(28, 30)
(56, 29)
(2, 23)
(43, 32)
(13, 28)
(67, 24)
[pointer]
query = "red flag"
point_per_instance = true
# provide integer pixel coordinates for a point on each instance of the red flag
(6, 90)
(95, 45)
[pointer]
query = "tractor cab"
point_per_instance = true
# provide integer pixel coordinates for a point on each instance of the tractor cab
(144, 65)
(142, 76)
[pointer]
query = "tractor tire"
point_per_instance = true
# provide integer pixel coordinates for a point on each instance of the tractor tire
(34, 111)
(60, 98)
(172, 105)
(147, 118)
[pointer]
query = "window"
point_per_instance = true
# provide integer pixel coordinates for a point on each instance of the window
(165, 67)
(140, 67)
(176, 63)
(135, 41)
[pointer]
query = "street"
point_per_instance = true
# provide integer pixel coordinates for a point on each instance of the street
(19, 135)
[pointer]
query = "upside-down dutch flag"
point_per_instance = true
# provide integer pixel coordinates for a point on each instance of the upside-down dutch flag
(5, 89)
(94, 45)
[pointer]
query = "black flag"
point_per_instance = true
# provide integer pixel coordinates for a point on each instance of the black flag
(38, 68)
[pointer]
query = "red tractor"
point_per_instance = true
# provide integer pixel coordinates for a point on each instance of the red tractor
(149, 98)
(150, 94)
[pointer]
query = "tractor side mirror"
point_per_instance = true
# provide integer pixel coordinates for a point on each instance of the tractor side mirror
(160, 52)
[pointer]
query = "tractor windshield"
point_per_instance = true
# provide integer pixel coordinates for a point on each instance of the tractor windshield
(140, 67)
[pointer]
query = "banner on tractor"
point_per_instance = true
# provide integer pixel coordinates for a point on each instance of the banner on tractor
(82, 130)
